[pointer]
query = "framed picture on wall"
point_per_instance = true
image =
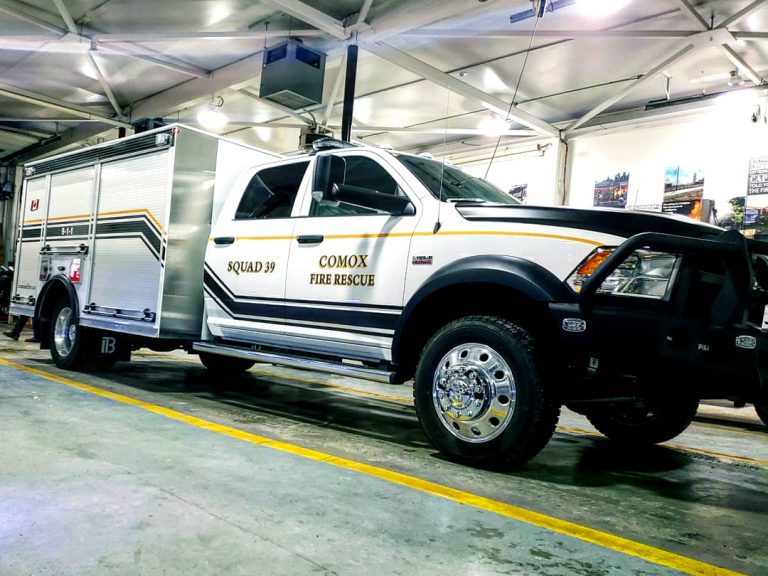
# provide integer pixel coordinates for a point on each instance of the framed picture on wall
(611, 192)
(683, 184)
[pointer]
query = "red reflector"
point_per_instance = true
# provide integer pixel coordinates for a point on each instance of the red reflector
(74, 270)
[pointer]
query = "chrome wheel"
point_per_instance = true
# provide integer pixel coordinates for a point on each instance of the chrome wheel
(64, 332)
(474, 392)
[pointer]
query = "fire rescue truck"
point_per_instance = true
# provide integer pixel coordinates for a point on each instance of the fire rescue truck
(387, 266)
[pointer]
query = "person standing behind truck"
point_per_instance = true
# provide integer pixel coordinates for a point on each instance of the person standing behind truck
(18, 326)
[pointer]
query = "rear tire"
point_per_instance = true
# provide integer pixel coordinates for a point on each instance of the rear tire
(225, 364)
(72, 346)
(658, 421)
(480, 396)
(66, 337)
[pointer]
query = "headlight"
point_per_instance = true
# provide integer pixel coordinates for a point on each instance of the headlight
(644, 273)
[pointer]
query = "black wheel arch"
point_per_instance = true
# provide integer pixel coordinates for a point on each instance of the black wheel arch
(489, 276)
(53, 290)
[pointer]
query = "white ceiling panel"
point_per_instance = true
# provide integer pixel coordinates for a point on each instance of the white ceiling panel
(563, 78)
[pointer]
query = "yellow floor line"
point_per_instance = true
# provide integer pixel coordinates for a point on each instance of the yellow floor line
(584, 533)
(572, 430)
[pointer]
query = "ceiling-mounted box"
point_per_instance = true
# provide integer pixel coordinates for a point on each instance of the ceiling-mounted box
(293, 75)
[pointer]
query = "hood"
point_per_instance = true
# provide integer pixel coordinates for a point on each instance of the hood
(624, 223)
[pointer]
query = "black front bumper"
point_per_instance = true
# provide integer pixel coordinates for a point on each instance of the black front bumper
(715, 350)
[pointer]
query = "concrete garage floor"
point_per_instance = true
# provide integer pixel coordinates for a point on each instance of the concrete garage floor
(177, 476)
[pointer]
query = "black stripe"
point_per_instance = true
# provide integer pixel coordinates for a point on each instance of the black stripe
(343, 317)
(30, 233)
(135, 236)
(295, 313)
(294, 324)
(128, 227)
(623, 223)
(314, 302)
(79, 230)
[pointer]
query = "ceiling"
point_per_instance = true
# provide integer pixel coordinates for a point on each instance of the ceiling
(429, 71)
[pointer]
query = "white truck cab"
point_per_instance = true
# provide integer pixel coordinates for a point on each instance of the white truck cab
(372, 263)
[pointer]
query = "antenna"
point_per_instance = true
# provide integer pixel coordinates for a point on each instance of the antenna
(542, 6)
(438, 224)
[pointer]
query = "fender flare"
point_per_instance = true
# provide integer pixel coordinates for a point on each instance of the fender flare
(45, 292)
(518, 274)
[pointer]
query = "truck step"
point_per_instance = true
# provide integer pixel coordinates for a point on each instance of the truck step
(298, 362)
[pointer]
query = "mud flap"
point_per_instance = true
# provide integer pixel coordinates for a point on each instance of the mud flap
(103, 346)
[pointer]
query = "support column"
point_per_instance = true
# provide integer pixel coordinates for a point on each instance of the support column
(349, 93)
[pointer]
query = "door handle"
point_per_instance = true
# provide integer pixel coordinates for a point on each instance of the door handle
(219, 240)
(310, 239)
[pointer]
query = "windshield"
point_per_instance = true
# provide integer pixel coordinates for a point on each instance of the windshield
(458, 186)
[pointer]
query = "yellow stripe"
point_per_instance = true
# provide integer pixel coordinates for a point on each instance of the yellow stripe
(138, 211)
(409, 402)
(441, 233)
(525, 234)
(584, 533)
(72, 217)
(114, 213)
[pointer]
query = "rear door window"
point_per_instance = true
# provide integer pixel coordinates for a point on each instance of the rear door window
(272, 192)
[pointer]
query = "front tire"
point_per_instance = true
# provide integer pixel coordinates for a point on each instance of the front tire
(762, 410)
(480, 396)
(652, 422)
(225, 364)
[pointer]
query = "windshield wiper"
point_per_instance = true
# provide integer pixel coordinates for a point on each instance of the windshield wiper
(473, 200)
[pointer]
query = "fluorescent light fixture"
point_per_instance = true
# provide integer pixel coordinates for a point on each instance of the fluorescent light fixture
(211, 116)
(600, 8)
(493, 125)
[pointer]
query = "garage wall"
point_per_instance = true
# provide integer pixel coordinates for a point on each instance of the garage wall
(539, 172)
(721, 142)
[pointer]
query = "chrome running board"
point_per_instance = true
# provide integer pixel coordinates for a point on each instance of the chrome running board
(298, 362)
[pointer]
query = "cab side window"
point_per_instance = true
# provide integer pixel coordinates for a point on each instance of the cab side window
(365, 173)
(271, 192)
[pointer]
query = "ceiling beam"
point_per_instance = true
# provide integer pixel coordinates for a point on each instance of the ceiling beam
(166, 62)
(736, 59)
(689, 10)
(363, 14)
(605, 104)
(66, 138)
(504, 33)
(16, 9)
(340, 74)
(743, 13)
(66, 16)
(104, 85)
(741, 64)
(457, 86)
(175, 98)
(167, 37)
(313, 16)
(412, 15)
(42, 20)
(59, 105)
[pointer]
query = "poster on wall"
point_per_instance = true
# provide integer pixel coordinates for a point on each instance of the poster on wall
(683, 191)
(683, 183)
(690, 208)
(519, 192)
(757, 182)
(611, 192)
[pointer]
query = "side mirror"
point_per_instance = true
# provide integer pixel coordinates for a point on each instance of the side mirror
(328, 177)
